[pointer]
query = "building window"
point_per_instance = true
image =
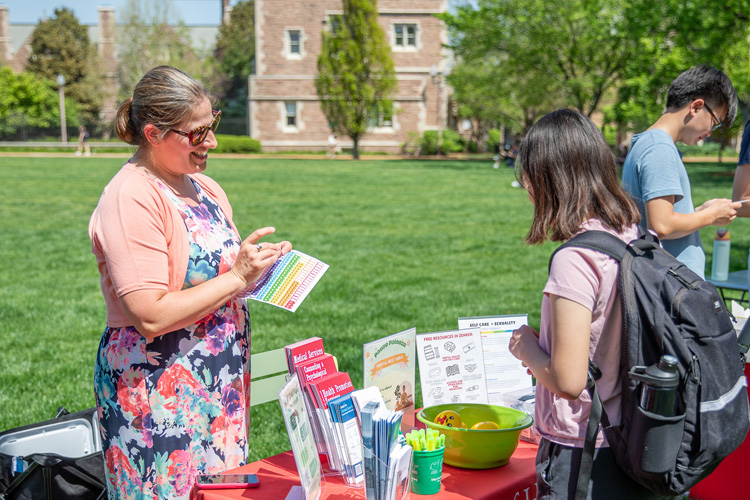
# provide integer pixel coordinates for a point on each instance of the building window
(334, 22)
(291, 114)
(381, 117)
(294, 42)
(406, 35)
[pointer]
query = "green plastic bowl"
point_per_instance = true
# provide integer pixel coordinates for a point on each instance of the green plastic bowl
(478, 449)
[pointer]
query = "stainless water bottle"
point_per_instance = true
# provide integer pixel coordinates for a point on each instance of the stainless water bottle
(659, 385)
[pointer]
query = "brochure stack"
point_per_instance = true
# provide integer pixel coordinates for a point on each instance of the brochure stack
(336, 434)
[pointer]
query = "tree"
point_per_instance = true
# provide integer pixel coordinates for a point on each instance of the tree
(60, 45)
(235, 51)
(673, 36)
(148, 40)
(514, 104)
(25, 99)
(571, 51)
(355, 71)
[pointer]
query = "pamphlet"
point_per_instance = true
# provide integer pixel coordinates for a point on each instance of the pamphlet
(303, 351)
(316, 368)
(451, 367)
(299, 353)
(504, 372)
(363, 396)
(300, 436)
(389, 365)
(386, 456)
(345, 423)
(288, 281)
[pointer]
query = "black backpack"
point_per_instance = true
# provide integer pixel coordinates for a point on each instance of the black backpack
(668, 309)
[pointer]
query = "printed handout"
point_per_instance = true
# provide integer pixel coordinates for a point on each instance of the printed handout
(288, 281)
(451, 367)
(504, 373)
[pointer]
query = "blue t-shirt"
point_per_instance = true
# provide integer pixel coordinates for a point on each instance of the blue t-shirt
(745, 146)
(654, 168)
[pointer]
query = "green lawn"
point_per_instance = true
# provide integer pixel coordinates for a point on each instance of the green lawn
(410, 244)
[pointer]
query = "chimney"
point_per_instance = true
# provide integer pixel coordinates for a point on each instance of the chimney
(108, 61)
(6, 45)
(226, 12)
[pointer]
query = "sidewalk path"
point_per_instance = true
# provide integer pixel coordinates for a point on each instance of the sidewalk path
(320, 156)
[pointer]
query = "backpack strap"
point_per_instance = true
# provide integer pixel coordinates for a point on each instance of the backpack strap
(592, 429)
(598, 415)
(601, 241)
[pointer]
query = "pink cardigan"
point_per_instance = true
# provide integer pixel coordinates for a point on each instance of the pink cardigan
(139, 238)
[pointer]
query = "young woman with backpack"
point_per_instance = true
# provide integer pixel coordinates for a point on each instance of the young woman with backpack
(571, 176)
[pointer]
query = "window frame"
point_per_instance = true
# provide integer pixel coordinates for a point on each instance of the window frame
(292, 44)
(287, 44)
(294, 117)
(380, 121)
(405, 36)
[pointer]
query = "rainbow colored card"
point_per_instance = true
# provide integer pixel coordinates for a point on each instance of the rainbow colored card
(288, 281)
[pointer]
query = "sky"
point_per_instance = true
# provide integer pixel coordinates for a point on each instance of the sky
(192, 12)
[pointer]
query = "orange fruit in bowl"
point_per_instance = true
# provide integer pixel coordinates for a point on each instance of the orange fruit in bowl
(485, 426)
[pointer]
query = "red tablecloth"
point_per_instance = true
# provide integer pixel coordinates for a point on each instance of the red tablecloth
(728, 480)
(278, 474)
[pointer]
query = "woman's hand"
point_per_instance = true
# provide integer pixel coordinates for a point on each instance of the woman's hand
(523, 342)
(155, 312)
(253, 257)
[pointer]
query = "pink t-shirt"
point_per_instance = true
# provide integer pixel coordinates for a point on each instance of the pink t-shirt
(139, 238)
(590, 279)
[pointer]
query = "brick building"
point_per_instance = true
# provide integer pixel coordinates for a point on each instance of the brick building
(284, 109)
(15, 48)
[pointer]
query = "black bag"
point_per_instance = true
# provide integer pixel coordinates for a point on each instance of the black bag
(50, 476)
(668, 309)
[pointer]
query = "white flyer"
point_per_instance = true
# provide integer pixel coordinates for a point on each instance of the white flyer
(300, 436)
(503, 372)
(451, 367)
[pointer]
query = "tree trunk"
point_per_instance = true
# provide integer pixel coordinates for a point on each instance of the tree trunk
(355, 150)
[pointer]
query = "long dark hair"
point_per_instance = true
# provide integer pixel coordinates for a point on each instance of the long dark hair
(570, 171)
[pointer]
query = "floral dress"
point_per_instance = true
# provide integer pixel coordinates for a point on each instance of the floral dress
(178, 406)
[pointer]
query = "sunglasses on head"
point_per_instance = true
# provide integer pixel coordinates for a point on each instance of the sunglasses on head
(199, 134)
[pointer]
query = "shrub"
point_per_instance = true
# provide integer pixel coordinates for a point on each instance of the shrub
(707, 149)
(610, 134)
(237, 144)
(451, 143)
(494, 139)
(429, 142)
(412, 144)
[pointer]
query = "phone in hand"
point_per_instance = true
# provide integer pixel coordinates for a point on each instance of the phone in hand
(219, 481)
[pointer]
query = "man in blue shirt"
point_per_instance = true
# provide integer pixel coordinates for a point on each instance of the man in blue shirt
(699, 101)
(741, 188)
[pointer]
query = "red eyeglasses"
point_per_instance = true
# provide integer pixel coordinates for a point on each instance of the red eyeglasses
(199, 134)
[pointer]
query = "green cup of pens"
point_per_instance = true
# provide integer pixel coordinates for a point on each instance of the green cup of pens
(427, 465)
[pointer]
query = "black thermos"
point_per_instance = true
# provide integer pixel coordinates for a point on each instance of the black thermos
(659, 385)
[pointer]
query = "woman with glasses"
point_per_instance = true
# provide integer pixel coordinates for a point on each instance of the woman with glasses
(172, 376)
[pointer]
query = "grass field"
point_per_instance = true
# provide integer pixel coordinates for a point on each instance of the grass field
(410, 244)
